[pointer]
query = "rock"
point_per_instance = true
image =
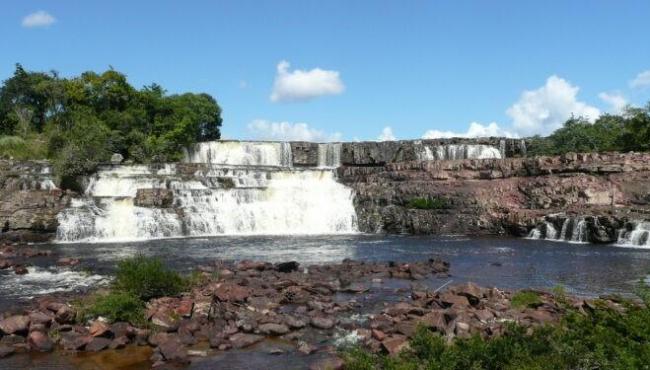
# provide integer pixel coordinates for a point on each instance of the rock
(173, 351)
(166, 319)
(242, 340)
(67, 261)
(20, 270)
(450, 299)
(322, 322)
(378, 334)
(306, 348)
(37, 317)
(99, 329)
(294, 322)
(286, 267)
(156, 339)
(407, 328)
(394, 344)
(154, 198)
(185, 308)
(64, 315)
(122, 329)
(117, 158)
(98, 344)
(471, 291)
(403, 308)
(17, 324)
(5, 264)
(435, 320)
(6, 351)
(73, 341)
(273, 329)
(229, 292)
(119, 342)
(328, 363)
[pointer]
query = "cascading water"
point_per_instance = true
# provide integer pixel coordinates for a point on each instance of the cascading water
(639, 236)
(458, 151)
(227, 188)
(574, 230)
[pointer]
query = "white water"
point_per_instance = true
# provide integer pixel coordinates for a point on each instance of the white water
(458, 151)
(252, 191)
(638, 237)
(574, 230)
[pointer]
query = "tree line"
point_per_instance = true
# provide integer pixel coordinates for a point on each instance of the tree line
(81, 121)
(625, 132)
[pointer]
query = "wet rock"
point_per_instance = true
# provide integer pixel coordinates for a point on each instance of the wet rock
(306, 348)
(242, 340)
(6, 351)
(37, 317)
(471, 291)
(122, 329)
(286, 267)
(158, 198)
(5, 263)
(173, 351)
(273, 329)
(403, 308)
(99, 329)
(98, 344)
(251, 265)
(407, 328)
(20, 270)
(67, 261)
(435, 320)
(394, 344)
(166, 319)
(74, 341)
(328, 363)
(185, 307)
(229, 292)
(17, 324)
(65, 315)
(294, 323)
(450, 299)
(119, 342)
(156, 339)
(322, 322)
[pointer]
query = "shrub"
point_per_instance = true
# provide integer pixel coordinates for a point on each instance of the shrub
(119, 306)
(428, 203)
(147, 278)
(524, 299)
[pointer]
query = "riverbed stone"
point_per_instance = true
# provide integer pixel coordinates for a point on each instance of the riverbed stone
(98, 344)
(6, 351)
(243, 340)
(394, 344)
(273, 329)
(17, 324)
(99, 329)
(321, 322)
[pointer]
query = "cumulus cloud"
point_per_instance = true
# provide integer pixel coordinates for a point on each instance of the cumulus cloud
(286, 131)
(40, 18)
(386, 134)
(475, 130)
(616, 101)
(641, 80)
(300, 85)
(545, 109)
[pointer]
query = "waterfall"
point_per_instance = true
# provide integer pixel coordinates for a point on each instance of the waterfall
(574, 230)
(329, 155)
(457, 151)
(241, 188)
(639, 236)
(241, 153)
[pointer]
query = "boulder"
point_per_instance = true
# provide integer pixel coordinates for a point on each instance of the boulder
(321, 322)
(18, 324)
(242, 340)
(328, 363)
(154, 198)
(394, 344)
(287, 267)
(273, 329)
(6, 351)
(98, 344)
(173, 351)
(117, 158)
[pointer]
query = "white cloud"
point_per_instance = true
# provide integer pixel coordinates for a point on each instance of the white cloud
(545, 109)
(386, 134)
(641, 80)
(475, 130)
(40, 18)
(616, 101)
(287, 131)
(299, 85)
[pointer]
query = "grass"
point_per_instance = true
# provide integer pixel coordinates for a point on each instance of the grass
(147, 278)
(428, 203)
(119, 306)
(603, 338)
(19, 148)
(523, 299)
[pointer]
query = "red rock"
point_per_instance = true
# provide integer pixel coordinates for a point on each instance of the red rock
(407, 328)
(5, 264)
(120, 329)
(322, 322)
(37, 317)
(472, 291)
(273, 329)
(228, 292)
(15, 324)
(394, 344)
(6, 351)
(435, 320)
(98, 344)
(185, 308)
(65, 315)
(119, 342)
(242, 340)
(403, 308)
(378, 334)
(73, 341)
(99, 329)
(173, 351)
(454, 300)
(328, 363)
(166, 319)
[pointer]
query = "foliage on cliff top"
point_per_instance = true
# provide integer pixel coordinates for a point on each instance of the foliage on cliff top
(602, 338)
(80, 121)
(629, 131)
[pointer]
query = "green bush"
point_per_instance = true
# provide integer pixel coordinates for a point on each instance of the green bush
(118, 306)
(428, 203)
(524, 299)
(147, 278)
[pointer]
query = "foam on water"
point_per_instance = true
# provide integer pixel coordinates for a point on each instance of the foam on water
(40, 281)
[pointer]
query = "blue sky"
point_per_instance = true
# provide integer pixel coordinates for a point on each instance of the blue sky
(327, 70)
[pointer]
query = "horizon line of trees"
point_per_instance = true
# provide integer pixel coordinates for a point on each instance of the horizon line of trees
(79, 122)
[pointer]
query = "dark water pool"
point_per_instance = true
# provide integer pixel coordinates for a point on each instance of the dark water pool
(504, 262)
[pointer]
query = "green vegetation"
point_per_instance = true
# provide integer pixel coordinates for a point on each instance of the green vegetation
(600, 338)
(629, 131)
(524, 299)
(428, 203)
(79, 122)
(147, 278)
(118, 306)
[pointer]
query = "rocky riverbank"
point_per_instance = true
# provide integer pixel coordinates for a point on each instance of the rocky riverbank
(312, 310)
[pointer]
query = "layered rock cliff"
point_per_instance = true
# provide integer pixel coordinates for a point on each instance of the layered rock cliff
(503, 196)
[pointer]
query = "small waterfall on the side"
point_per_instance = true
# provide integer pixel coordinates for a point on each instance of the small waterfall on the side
(226, 188)
(329, 155)
(639, 236)
(458, 151)
(574, 230)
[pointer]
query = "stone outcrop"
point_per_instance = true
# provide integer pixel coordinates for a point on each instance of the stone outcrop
(159, 198)
(497, 196)
(29, 201)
